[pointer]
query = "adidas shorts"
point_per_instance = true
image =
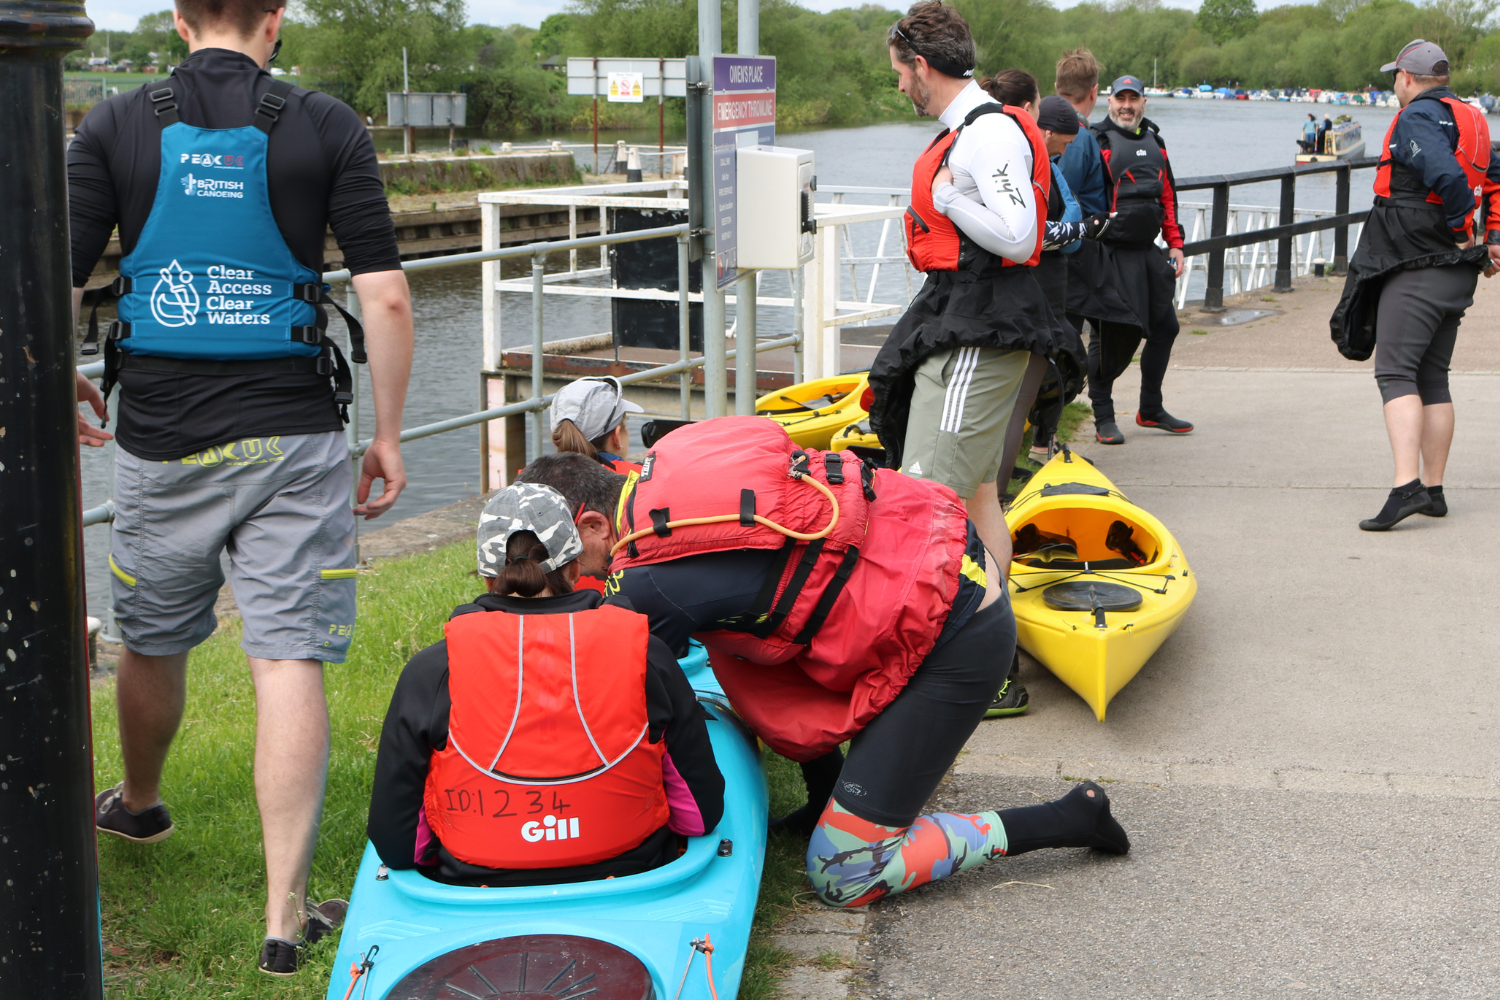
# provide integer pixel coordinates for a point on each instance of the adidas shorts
(960, 411)
(279, 506)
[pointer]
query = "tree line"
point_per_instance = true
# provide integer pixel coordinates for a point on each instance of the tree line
(834, 69)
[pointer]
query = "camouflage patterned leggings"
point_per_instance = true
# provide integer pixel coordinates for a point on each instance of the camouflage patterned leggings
(852, 861)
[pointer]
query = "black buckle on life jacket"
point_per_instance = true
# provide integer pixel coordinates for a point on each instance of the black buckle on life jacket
(799, 464)
(659, 518)
(833, 467)
(118, 330)
(830, 594)
(308, 335)
(311, 292)
(747, 508)
(268, 111)
(867, 480)
(164, 104)
(121, 286)
(326, 366)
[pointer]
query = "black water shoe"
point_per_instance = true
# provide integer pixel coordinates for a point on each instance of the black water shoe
(1164, 421)
(1012, 699)
(1403, 502)
(1439, 506)
(1106, 431)
(1079, 819)
(280, 957)
(149, 826)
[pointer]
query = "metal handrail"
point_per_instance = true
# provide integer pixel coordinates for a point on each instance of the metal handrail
(537, 251)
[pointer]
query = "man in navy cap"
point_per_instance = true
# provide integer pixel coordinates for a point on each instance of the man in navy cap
(1412, 276)
(1143, 198)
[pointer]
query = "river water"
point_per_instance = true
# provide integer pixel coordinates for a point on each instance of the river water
(1202, 137)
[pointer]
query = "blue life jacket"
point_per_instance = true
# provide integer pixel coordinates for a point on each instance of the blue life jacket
(211, 286)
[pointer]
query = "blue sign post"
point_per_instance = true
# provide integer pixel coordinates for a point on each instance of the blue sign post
(744, 114)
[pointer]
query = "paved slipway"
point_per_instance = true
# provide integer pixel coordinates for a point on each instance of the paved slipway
(1309, 768)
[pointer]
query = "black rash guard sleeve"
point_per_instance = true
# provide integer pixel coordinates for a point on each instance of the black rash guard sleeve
(677, 716)
(416, 724)
(694, 593)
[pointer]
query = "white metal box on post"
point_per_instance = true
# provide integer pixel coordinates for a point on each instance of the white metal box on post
(775, 195)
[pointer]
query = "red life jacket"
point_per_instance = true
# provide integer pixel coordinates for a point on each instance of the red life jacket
(841, 622)
(933, 242)
(621, 466)
(548, 762)
(1473, 154)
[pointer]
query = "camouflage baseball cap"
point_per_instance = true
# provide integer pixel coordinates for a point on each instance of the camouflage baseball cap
(531, 507)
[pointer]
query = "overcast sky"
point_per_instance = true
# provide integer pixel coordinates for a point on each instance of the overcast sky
(121, 15)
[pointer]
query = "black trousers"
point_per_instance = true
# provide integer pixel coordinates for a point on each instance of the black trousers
(1147, 283)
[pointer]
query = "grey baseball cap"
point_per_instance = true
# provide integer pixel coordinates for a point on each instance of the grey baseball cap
(596, 405)
(1419, 57)
(1127, 82)
(531, 507)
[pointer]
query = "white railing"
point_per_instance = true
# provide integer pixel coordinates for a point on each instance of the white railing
(1254, 266)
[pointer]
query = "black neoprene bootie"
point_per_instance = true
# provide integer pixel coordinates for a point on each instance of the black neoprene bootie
(1079, 819)
(1403, 502)
(820, 775)
(1439, 506)
(1106, 431)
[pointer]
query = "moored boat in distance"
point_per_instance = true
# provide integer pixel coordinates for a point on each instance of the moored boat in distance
(1097, 583)
(1344, 141)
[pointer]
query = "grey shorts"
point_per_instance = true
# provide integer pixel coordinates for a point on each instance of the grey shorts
(960, 411)
(278, 505)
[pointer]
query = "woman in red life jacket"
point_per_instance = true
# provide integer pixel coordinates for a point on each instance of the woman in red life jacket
(482, 779)
(837, 603)
(588, 416)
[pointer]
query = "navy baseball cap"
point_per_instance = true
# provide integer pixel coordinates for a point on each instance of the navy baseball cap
(1419, 57)
(1128, 82)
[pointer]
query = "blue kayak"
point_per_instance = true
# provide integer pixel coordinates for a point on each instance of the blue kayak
(631, 938)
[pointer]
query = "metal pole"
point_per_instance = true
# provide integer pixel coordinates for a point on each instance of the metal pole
(538, 271)
(1284, 246)
(749, 11)
(596, 114)
(715, 376)
(351, 430)
(744, 344)
(406, 133)
(1341, 233)
(661, 119)
(798, 277)
(49, 868)
(684, 327)
(1213, 292)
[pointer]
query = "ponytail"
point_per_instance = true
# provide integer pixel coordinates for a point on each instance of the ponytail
(523, 574)
(567, 437)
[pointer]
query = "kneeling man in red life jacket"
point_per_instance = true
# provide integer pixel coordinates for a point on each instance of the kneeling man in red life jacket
(838, 602)
(482, 780)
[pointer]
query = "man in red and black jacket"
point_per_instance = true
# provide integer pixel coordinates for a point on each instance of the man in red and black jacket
(1143, 200)
(1413, 275)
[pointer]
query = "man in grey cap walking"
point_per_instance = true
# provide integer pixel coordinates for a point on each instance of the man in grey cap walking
(1412, 276)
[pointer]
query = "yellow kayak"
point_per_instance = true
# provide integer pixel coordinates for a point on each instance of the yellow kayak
(856, 435)
(1097, 583)
(812, 412)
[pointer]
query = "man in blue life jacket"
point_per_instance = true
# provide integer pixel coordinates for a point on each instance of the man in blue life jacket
(222, 182)
(1412, 277)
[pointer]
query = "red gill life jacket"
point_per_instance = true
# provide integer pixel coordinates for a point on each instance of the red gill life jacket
(548, 762)
(933, 242)
(841, 622)
(1473, 155)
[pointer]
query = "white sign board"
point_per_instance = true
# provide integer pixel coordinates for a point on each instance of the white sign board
(628, 87)
(590, 77)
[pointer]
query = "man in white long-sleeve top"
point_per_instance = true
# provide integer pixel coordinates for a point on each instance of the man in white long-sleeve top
(952, 370)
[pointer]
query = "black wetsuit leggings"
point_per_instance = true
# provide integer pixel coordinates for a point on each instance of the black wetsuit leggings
(895, 763)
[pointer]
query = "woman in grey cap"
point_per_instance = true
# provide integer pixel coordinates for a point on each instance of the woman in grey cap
(588, 416)
(549, 737)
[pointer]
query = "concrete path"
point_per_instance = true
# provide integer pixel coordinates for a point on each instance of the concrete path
(1309, 768)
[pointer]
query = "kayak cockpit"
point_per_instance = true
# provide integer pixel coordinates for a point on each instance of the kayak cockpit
(1067, 537)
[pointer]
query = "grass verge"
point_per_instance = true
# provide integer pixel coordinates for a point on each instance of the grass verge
(184, 918)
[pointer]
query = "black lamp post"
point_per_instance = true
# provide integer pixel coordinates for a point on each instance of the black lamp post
(49, 885)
